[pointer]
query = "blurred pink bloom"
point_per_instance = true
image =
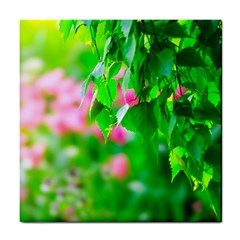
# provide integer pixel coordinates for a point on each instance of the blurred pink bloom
(23, 139)
(119, 166)
(32, 113)
(118, 135)
(179, 92)
(197, 206)
(23, 193)
(71, 120)
(50, 82)
(33, 153)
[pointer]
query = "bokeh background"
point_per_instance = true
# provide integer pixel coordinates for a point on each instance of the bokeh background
(67, 171)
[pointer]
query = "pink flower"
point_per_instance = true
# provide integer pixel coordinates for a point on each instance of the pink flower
(31, 114)
(23, 139)
(23, 193)
(118, 135)
(179, 92)
(131, 99)
(197, 206)
(71, 120)
(50, 82)
(119, 166)
(33, 153)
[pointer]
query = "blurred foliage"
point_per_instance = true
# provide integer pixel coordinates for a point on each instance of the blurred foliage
(68, 173)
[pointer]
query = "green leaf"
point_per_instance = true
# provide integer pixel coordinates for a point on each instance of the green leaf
(207, 111)
(183, 108)
(188, 57)
(199, 77)
(172, 124)
(126, 80)
(98, 70)
(213, 94)
(207, 27)
(196, 147)
(121, 113)
(173, 29)
(106, 120)
(130, 48)
(162, 64)
(65, 28)
(166, 58)
(126, 27)
(84, 88)
(92, 102)
(214, 190)
(107, 92)
(113, 70)
(207, 176)
(143, 119)
(176, 162)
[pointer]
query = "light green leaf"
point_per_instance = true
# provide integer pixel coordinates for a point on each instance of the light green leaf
(176, 162)
(114, 69)
(107, 92)
(121, 113)
(65, 28)
(98, 70)
(130, 48)
(126, 80)
(92, 102)
(106, 120)
(126, 27)
(84, 88)
(172, 124)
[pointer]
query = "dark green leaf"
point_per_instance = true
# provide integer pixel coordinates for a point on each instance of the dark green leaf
(207, 27)
(173, 29)
(188, 57)
(196, 147)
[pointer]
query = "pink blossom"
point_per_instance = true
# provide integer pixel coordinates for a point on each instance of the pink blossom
(131, 99)
(23, 139)
(197, 206)
(71, 120)
(23, 193)
(179, 92)
(119, 166)
(118, 135)
(50, 82)
(33, 153)
(31, 113)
